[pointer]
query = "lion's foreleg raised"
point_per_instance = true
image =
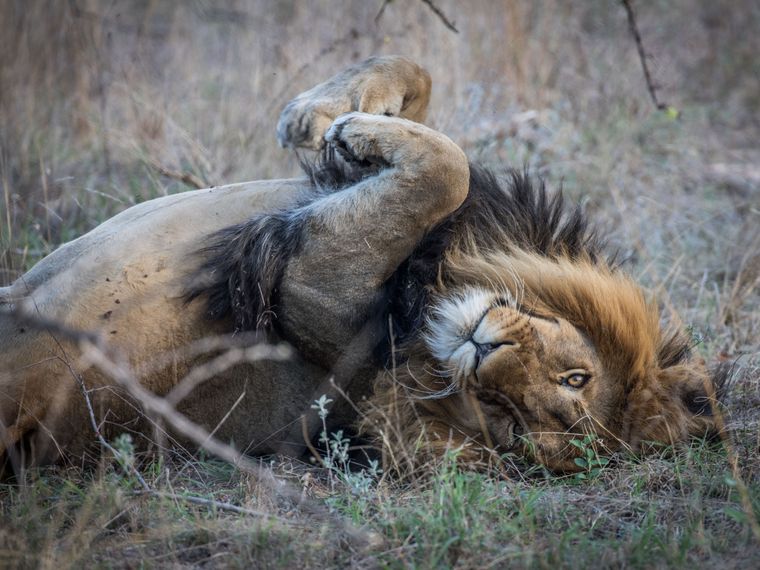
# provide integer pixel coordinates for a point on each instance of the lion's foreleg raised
(355, 239)
(352, 241)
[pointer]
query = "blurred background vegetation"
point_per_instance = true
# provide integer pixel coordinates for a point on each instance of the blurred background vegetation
(105, 103)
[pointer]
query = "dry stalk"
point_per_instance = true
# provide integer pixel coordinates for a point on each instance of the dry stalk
(54, 329)
(429, 3)
(438, 12)
(219, 505)
(185, 177)
(733, 462)
(223, 362)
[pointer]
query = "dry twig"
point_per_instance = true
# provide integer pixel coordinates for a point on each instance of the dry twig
(437, 11)
(223, 362)
(429, 3)
(185, 177)
(219, 505)
(642, 55)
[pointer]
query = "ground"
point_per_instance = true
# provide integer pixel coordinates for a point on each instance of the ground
(107, 103)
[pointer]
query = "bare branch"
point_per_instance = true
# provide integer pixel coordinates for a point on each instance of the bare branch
(95, 351)
(437, 11)
(219, 505)
(429, 3)
(642, 55)
(381, 11)
(53, 329)
(223, 362)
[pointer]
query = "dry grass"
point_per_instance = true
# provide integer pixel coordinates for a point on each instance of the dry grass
(99, 101)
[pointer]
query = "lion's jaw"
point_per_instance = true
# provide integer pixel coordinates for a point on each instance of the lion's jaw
(536, 371)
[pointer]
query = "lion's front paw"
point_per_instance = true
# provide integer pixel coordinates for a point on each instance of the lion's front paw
(303, 122)
(357, 137)
(388, 85)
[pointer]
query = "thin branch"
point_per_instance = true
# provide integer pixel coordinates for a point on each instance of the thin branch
(642, 55)
(307, 440)
(429, 3)
(53, 328)
(219, 505)
(438, 12)
(381, 11)
(224, 361)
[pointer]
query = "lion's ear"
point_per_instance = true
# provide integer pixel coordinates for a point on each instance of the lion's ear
(676, 402)
(692, 387)
(695, 390)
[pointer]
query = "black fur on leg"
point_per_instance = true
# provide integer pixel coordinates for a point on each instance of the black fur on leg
(243, 266)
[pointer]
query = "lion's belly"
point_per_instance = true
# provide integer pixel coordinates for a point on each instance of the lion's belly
(257, 407)
(124, 280)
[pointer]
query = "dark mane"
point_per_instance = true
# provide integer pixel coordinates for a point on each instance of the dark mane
(243, 264)
(242, 268)
(515, 212)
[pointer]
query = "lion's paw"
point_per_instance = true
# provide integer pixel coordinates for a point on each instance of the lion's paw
(357, 136)
(387, 85)
(304, 121)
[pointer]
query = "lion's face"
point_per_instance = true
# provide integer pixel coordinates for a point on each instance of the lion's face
(582, 352)
(531, 373)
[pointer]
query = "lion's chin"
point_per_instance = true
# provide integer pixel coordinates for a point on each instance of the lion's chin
(557, 454)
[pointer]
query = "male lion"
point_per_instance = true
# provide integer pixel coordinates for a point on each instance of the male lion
(474, 315)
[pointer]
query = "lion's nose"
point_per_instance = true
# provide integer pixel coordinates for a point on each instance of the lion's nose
(483, 349)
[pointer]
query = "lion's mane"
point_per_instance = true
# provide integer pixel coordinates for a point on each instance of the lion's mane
(509, 231)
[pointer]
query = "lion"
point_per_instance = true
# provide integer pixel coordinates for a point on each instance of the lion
(455, 311)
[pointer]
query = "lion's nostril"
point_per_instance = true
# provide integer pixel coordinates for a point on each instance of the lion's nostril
(484, 349)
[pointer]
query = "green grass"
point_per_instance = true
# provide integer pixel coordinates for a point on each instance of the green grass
(679, 509)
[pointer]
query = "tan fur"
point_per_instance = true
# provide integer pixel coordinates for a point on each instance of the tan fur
(393, 86)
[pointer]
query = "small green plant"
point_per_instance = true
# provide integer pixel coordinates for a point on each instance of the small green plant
(337, 460)
(125, 452)
(591, 461)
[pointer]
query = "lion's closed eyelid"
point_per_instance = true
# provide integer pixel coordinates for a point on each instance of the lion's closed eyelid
(533, 314)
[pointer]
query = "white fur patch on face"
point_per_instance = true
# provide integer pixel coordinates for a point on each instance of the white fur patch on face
(487, 331)
(454, 320)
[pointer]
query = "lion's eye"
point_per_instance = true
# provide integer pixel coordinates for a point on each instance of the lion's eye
(576, 378)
